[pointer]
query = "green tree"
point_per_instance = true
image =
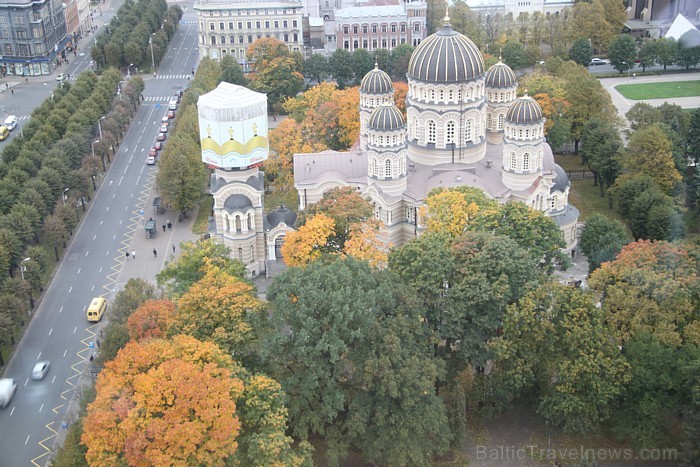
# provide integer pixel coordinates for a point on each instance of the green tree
(514, 55)
(555, 343)
(316, 66)
(180, 177)
(400, 57)
(581, 52)
(349, 346)
(648, 53)
(600, 147)
(276, 72)
(649, 152)
(666, 51)
(127, 300)
(688, 54)
(691, 443)
(341, 65)
(622, 51)
(362, 63)
(602, 239)
(642, 115)
(231, 71)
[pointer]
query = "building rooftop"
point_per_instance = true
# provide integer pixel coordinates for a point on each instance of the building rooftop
(249, 4)
(370, 11)
(230, 102)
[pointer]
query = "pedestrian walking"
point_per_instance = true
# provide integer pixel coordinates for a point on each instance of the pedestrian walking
(155, 253)
(173, 248)
(170, 225)
(127, 255)
(133, 253)
(163, 228)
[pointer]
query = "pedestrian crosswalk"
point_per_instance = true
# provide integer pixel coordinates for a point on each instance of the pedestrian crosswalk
(172, 76)
(157, 99)
(188, 21)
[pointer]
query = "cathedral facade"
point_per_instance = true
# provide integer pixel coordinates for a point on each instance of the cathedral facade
(464, 125)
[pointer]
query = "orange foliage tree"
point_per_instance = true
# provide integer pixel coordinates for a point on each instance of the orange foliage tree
(552, 108)
(451, 210)
(309, 242)
(400, 92)
(364, 243)
(222, 309)
(164, 402)
(151, 320)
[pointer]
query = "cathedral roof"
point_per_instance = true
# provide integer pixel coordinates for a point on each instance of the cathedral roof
(446, 57)
(524, 110)
(237, 202)
(561, 180)
(385, 118)
(282, 214)
(500, 76)
(376, 82)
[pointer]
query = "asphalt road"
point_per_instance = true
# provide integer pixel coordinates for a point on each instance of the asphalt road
(30, 426)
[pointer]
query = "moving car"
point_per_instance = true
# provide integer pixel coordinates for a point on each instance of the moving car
(61, 77)
(161, 137)
(97, 308)
(598, 61)
(7, 391)
(11, 122)
(4, 133)
(40, 370)
(150, 160)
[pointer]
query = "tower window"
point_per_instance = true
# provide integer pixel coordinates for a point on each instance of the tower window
(526, 161)
(513, 161)
(387, 168)
(431, 131)
(450, 132)
(469, 130)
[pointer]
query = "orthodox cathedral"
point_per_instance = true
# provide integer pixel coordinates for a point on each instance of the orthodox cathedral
(464, 126)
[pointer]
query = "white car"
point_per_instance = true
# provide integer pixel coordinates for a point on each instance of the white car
(151, 160)
(61, 77)
(8, 386)
(598, 61)
(40, 370)
(11, 122)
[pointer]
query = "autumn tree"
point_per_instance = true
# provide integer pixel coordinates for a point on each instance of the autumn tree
(308, 243)
(555, 344)
(223, 309)
(342, 204)
(164, 402)
(363, 243)
(151, 320)
(452, 210)
(192, 264)
(651, 287)
(276, 72)
(649, 152)
(602, 239)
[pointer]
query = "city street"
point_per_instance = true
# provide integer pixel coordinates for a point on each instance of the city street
(31, 425)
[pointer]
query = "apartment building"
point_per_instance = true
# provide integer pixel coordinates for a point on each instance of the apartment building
(231, 26)
(33, 34)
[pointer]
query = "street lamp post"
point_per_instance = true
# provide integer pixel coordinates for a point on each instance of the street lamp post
(628, 71)
(153, 60)
(99, 127)
(104, 166)
(128, 70)
(21, 267)
(63, 196)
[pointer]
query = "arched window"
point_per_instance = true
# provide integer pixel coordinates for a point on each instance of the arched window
(375, 168)
(500, 121)
(450, 132)
(250, 221)
(489, 122)
(414, 127)
(431, 131)
(387, 168)
(402, 166)
(513, 161)
(526, 161)
(238, 223)
(240, 254)
(252, 253)
(469, 130)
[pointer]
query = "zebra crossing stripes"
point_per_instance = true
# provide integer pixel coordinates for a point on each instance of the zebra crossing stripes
(172, 76)
(188, 21)
(157, 98)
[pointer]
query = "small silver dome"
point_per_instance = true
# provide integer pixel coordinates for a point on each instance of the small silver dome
(500, 76)
(446, 57)
(525, 110)
(376, 82)
(237, 202)
(561, 180)
(386, 118)
(282, 214)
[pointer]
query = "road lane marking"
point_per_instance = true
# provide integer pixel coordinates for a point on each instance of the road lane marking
(107, 208)
(12, 411)
(27, 381)
(53, 379)
(64, 353)
(79, 269)
(101, 222)
(60, 310)
(87, 252)
(38, 356)
(120, 180)
(25, 443)
(71, 289)
(100, 268)
(107, 252)
(75, 330)
(94, 237)
(50, 331)
(93, 289)
(41, 408)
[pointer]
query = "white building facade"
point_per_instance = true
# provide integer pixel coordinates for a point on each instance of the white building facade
(229, 27)
(464, 126)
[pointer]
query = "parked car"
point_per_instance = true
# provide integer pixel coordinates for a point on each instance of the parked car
(151, 160)
(598, 61)
(164, 128)
(171, 114)
(158, 146)
(153, 152)
(165, 119)
(40, 370)
(160, 137)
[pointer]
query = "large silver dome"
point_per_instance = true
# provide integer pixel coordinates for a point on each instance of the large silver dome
(386, 118)
(446, 57)
(376, 82)
(525, 110)
(500, 76)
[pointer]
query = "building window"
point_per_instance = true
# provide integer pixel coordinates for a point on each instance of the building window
(19, 20)
(277, 24)
(403, 27)
(346, 45)
(211, 26)
(450, 133)
(416, 27)
(240, 39)
(402, 166)
(393, 43)
(354, 29)
(374, 43)
(526, 161)
(383, 43)
(294, 23)
(364, 44)
(286, 38)
(213, 40)
(431, 131)
(364, 29)
(249, 24)
(221, 26)
(250, 38)
(284, 24)
(346, 30)
(374, 29)
(393, 28)
(240, 25)
(240, 254)
(387, 168)
(296, 37)
(513, 161)
(469, 130)
(384, 28)
(375, 167)
(355, 45)
(230, 25)
(500, 122)
(257, 25)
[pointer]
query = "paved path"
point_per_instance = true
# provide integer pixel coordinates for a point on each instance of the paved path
(623, 105)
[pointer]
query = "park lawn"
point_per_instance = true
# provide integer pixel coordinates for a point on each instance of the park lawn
(664, 90)
(586, 197)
